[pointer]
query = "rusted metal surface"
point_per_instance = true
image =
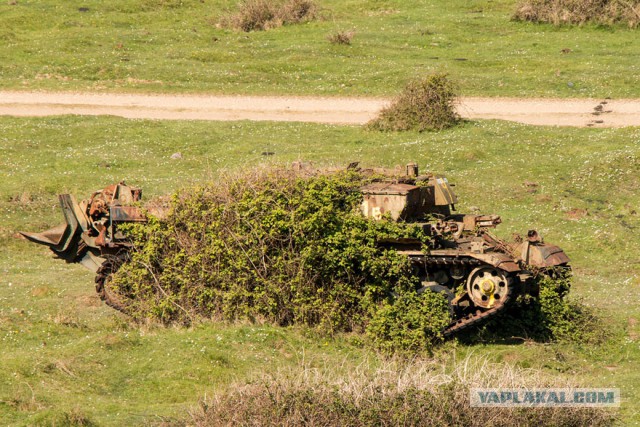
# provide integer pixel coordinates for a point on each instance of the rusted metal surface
(463, 253)
(89, 233)
(443, 192)
(396, 200)
(50, 237)
(410, 200)
(127, 214)
(498, 260)
(542, 255)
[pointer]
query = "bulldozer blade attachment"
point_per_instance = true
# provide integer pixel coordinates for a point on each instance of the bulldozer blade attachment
(63, 240)
(76, 223)
(49, 237)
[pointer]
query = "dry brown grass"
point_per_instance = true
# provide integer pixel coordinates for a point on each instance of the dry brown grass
(259, 15)
(579, 12)
(415, 393)
(341, 37)
(425, 104)
(67, 318)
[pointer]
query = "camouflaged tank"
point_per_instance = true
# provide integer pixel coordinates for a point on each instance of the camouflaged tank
(477, 272)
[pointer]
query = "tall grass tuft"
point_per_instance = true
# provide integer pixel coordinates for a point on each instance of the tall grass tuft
(579, 12)
(408, 393)
(260, 15)
(341, 37)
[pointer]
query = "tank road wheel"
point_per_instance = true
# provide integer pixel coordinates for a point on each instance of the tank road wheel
(104, 277)
(488, 286)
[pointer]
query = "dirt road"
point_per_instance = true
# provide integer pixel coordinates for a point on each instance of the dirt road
(554, 112)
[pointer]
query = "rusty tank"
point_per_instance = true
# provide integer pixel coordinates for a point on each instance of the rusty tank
(479, 273)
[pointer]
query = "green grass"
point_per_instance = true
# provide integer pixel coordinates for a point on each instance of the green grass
(175, 46)
(64, 354)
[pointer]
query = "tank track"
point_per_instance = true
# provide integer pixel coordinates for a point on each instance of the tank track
(452, 261)
(478, 315)
(114, 262)
(474, 318)
(103, 276)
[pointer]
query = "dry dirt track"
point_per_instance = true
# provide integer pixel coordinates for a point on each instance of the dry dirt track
(554, 112)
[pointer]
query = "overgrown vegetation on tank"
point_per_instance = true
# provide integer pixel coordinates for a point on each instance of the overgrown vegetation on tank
(278, 247)
(425, 104)
(288, 248)
(579, 12)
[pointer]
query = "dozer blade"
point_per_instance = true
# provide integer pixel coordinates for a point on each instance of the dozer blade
(63, 240)
(51, 237)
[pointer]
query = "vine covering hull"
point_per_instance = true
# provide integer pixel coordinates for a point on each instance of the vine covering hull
(478, 273)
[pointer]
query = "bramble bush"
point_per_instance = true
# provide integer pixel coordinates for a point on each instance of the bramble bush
(410, 321)
(561, 318)
(281, 248)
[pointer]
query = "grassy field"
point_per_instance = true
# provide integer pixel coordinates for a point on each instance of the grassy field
(175, 46)
(67, 358)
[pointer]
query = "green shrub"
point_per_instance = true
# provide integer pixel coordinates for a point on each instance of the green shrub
(578, 12)
(411, 323)
(425, 104)
(279, 248)
(564, 319)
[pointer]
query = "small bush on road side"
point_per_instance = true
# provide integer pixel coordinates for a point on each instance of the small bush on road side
(424, 104)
